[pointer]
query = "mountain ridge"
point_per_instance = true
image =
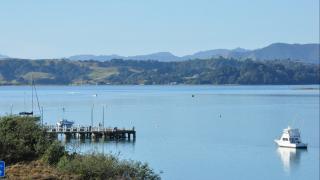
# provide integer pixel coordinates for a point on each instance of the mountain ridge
(3, 56)
(308, 53)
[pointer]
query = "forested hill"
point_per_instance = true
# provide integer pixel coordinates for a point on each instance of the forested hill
(210, 71)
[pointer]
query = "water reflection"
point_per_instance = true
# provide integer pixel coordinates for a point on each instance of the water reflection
(290, 157)
(98, 145)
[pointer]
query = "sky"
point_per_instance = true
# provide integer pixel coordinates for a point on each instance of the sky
(60, 28)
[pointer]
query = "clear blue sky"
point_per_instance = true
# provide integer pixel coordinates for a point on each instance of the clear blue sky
(60, 28)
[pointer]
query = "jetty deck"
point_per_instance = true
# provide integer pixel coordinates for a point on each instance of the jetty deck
(93, 132)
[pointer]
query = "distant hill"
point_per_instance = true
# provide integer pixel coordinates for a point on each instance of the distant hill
(308, 53)
(206, 71)
(303, 52)
(160, 56)
(3, 56)
(208, 54)
(216, 53)
(93, 57)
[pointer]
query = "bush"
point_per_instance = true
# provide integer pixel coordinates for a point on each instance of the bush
(99, 166)
(53, 154)
(22, 138)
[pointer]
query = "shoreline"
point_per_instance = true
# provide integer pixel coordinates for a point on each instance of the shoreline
(150, 85)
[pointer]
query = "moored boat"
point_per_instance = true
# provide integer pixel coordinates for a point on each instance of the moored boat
(291, 138)
(65, 123)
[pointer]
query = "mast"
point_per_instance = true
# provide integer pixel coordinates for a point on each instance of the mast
(63, 110)
(35, 90)
(11, 107)
(41, 115)
(24, 102)
(102, 115)
(32, 93)
(92, 115)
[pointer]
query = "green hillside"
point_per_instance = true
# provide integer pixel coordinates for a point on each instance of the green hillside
(210, 71)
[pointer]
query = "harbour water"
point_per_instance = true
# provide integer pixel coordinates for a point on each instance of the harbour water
(191, 132)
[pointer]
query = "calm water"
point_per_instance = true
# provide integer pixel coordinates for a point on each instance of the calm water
(224, 132)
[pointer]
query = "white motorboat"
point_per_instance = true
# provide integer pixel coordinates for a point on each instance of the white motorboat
(291, 138)
(65, 123)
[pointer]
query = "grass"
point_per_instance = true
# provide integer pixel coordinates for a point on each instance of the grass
(37, 75)
(36, 170)
(102, 73)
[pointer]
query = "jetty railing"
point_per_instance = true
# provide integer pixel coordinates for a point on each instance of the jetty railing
(92, 132)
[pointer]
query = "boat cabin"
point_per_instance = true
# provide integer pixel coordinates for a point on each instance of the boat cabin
(290, 138)
(291, 135)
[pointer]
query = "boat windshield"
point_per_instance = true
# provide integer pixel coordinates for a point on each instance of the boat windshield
(294, 140)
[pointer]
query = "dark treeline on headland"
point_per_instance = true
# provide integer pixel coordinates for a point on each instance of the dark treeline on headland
(209, 71)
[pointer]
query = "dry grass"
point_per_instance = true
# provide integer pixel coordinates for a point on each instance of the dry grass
(36, 170)
(37, 75)
(99, 73)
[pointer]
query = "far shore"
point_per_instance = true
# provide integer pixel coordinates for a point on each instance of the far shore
(77, 85)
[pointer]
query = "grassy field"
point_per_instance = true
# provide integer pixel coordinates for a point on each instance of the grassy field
(37, 75)
(100, 73)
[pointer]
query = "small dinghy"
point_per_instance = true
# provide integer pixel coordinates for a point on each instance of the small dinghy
(291, 138)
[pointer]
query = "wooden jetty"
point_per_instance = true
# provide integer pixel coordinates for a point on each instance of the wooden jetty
(93, 132)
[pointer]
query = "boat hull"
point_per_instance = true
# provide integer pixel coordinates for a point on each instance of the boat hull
(291, 145)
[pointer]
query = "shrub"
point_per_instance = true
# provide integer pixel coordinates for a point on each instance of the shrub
(22, 138)
(53, 154)
(100, 166)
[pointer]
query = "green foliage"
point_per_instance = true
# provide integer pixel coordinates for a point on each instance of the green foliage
(209, 71)
(99, 166)
(53, 154)
(22, 139)
(17, 71)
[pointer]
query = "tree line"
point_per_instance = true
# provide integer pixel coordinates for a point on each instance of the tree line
(209, 71)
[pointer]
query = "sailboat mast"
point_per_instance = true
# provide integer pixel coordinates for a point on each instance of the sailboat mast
(24, 102)
(35, 90)
(41, 116)
(32, 93)
(102, 115)
(92, 115)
